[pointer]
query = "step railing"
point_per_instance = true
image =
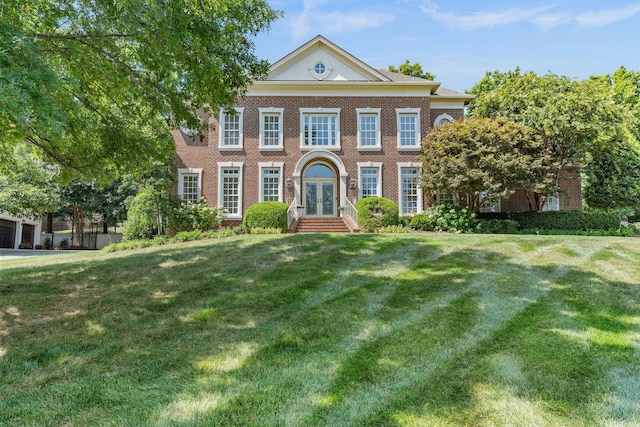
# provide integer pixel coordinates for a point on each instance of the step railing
(350, 212)
(292, 212)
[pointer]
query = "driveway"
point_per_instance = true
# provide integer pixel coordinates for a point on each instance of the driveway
(26, 253)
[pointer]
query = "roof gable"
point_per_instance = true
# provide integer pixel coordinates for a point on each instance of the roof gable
(319, 59)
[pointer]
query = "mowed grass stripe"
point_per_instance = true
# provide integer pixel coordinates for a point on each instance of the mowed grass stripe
(328, 329)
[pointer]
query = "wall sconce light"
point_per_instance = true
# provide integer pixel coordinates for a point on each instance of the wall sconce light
(352, 183)
(288, 182)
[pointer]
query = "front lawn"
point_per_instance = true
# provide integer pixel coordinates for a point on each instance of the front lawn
(326, 329)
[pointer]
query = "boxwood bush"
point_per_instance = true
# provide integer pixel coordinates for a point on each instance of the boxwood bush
(560, 220)
(453, 219)
(376, 212)
(266, 215)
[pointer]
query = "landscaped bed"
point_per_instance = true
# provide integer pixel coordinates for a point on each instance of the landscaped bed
(326, 329)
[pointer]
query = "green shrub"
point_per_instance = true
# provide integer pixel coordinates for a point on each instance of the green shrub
(561, 220)
(191, 216)
(497, 226)
(452, 219)
(142, 217)
(405, 221)
(266, 215)
(376, 212)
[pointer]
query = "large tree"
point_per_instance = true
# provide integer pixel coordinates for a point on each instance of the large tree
(414, 70)
(97, 85)
(28, 186)
(572, 116)
(483, 158)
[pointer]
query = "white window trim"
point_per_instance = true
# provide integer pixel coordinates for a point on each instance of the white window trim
(442, 119)
(271, 165)
(239, 165)
(402, 165)
(274, 111)
(377, 165)
(552, 203)
(370, 111)
(483, 208)
(221, 118)
(184, 171)
(399, 112)
(320, 111)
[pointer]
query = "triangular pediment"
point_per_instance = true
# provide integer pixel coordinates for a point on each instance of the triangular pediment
(321, 60)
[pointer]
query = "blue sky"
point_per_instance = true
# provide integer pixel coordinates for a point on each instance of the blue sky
(459, 41)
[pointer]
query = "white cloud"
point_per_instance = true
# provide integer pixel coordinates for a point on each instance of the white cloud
(314, 20)
(606, 17)
(476, 20)
(552, 20)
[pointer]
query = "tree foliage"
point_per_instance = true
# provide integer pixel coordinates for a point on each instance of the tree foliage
(483, 158)
(612, 177)
(414, 70)
(28, 186)
(96, 85)
(573, 117)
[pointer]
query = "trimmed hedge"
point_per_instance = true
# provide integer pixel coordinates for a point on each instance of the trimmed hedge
(559, 220)
(266, 215)
(376, 212)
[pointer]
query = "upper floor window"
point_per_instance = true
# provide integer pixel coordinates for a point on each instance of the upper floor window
(271, 128)
(230, 130)
(369, 128)
(408, 128)
(442, 119)
(189, 184)
(320, 127)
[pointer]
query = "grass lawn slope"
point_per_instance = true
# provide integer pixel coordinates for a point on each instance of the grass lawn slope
(339, 330)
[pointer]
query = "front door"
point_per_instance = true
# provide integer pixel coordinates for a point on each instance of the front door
(320, 198)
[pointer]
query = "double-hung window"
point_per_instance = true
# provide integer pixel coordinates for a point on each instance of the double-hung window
(271, 129)
(189, 184)
(445, 197)
(370, 179)
(369, 129)
(271, 181)
(489, 203)
(230, 130)
(320, 128)
(408, 121)
(409, 188)
(551, 204)
(230, 188)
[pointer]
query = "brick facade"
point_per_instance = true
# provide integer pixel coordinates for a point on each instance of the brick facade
(386, 93)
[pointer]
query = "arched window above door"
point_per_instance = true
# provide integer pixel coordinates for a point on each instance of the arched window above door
(319, 171)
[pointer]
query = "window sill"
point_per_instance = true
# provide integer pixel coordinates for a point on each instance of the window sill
(230, 148)
(408, 148)
(320, 147)
(278, 148)
(370, 148)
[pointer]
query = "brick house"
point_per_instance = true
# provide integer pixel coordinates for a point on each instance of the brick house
(323, 130)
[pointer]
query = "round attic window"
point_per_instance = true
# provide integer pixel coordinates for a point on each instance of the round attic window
(320, 68)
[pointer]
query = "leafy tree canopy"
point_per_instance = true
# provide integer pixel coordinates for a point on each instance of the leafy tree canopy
(573, 117)
(28, 186)
(414, 70)
(483, 158)
(97, 85)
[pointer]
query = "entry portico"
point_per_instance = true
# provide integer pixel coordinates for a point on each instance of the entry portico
(316, 176)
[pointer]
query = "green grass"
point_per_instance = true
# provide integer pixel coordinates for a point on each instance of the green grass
(339, 330)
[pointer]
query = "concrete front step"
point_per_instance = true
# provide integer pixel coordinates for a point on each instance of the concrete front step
(322, 225)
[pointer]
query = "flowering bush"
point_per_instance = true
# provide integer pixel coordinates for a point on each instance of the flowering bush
(195, 216)
(453, 219)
